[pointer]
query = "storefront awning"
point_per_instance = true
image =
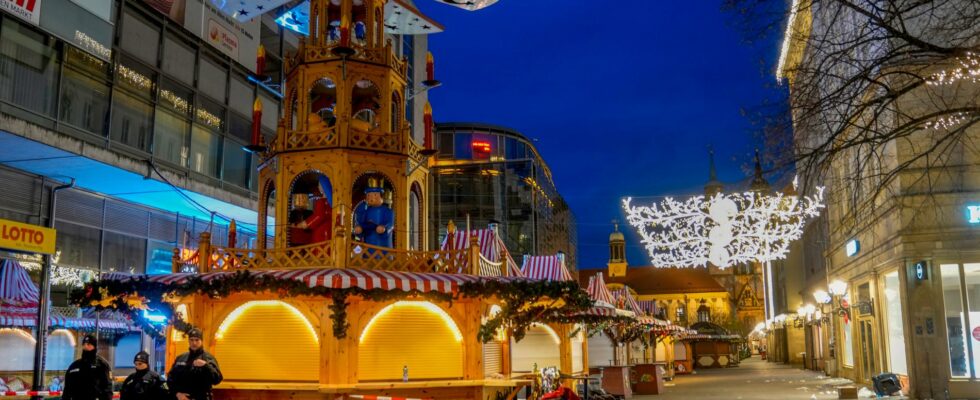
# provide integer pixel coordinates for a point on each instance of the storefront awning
(546, 268)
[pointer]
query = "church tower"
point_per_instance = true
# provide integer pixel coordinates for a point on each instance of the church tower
(713, 186)
(617, 252)
(344, 127)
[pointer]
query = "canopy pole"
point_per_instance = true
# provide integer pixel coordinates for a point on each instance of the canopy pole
(43, 303)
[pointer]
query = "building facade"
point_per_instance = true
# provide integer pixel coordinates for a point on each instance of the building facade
(485, 173)
(899, 292)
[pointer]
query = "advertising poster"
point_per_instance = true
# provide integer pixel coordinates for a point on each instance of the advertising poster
(238, 40)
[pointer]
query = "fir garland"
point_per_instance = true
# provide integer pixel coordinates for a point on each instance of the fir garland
(518, 299)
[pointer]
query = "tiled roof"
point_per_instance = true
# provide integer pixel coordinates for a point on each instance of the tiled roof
(652, 280)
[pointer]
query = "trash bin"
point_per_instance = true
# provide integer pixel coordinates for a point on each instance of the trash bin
(886, 384)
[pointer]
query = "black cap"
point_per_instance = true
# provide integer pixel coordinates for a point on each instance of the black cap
(89, 339)
(195, 333)
(142, 357)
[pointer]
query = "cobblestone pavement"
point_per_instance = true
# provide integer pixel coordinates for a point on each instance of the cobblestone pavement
(754, 379)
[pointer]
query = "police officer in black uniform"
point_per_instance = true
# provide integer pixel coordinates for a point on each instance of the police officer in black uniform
(88, 377)
(194, 372)
(144, 384)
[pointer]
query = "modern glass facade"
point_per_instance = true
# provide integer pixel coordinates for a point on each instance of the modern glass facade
(165, 96)
(486, 173)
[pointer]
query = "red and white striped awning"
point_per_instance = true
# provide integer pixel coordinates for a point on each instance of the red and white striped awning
(491, 248)
(16, 286)
(626, 299)
(337, 279)
(599, 292)
(548, 268)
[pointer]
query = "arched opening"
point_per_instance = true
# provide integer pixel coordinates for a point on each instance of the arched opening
(372, 197)
(126, 348)
(540, 346)
(310, 209)
(365, 103)
(415, 217)
(493, 353)
(271, 334)
(18, 346)
(416, 338)
(378, 30)
(359, 22)
(396, 107)
(267, 212)
(60, 350)
(323, 104)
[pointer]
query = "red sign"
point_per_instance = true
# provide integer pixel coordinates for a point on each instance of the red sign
(28, 10)
(976, 333)
(480, 146)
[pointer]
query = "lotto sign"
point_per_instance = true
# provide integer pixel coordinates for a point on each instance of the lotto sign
(19, 236)
(28, 10)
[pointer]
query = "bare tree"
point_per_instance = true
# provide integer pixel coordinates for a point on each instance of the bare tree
(883, 95)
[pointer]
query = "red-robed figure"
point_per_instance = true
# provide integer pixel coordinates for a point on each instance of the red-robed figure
(317, 226)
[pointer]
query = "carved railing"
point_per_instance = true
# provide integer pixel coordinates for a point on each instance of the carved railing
(365, 256)
(384, 55)
(376, 140)
(308, 256)
(311, 139)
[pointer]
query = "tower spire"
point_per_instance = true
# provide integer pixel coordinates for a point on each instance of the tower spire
(713, 186)
(759, 183)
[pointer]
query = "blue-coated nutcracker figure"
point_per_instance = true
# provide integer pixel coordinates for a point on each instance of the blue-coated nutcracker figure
(373, 219)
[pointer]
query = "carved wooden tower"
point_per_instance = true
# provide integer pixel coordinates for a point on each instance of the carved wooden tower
(344, 123)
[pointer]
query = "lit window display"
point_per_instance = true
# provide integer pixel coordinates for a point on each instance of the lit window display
(961, 284)
(896, 333)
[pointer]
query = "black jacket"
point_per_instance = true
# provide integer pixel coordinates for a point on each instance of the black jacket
(144, 385)
(184, 377)
(88, 379)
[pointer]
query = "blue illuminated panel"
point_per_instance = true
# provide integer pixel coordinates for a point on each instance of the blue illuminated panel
(297, 19)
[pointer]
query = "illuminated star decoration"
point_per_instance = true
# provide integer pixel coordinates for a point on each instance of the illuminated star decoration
(725, 230)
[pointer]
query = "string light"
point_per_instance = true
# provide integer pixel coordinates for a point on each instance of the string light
(92, 45)
(725, 230)
(207, 118)
(135, 78)
(968, 69)
(179, 103)
(947, 121)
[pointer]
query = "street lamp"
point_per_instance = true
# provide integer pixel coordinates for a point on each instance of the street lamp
(821, 296)
(838, 287)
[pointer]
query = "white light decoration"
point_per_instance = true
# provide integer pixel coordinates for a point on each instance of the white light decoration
(838, 287)
(821, 296)
(968, 69)
(725, 230)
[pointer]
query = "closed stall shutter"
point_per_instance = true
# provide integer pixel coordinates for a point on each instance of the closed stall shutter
(163, 227)
(267, 341)
(680, 351)
(539, 346)
(577, 340)
(60, 350)
(19, 193)
(414, 334)
(600, 350)
(492, 358)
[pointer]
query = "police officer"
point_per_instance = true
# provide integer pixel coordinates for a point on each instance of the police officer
(144, 384)
(88, 377)
(194, 372)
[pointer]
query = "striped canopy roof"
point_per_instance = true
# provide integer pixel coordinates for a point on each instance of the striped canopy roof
(336, 278)
(491, 248)
(16, 287)
(57, 321)
(626, 300)
(549, 268)
(599, 292)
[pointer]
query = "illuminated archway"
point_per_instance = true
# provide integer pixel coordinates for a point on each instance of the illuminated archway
(414, 334)
(540, 345)
(18, 346)
(271, 334)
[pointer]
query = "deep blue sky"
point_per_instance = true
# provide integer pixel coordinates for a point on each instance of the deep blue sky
(623, 98)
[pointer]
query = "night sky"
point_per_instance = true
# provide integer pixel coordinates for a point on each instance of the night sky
(622, 98)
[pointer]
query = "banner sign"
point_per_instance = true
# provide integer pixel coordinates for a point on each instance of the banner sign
(29, 238)
(239, 40)
(28, 10)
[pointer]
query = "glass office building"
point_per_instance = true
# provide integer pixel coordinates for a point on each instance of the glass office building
(487, 173)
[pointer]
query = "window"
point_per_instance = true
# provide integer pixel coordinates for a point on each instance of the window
(178, 60)
(213, 79)
(28, 68)
(79, 245)
(896, 330)
(235, 164)
(139, 37)
(445, 144)
(270, 111)
(85, 94)
(126, 350)
(463, 146)
(123, 253)
(132, 120)
(172, 123)
(204, 151)
(60, 350)
(159, 257)
(961, 283)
